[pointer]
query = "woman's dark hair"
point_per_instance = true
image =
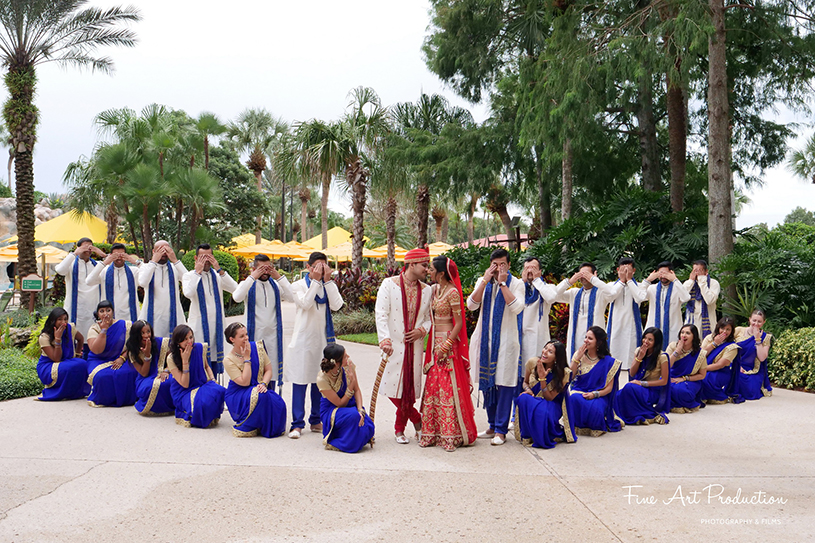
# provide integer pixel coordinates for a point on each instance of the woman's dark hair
(697, 343)
(602, 341)
(440, 265)
(103, 304)
(724, 321)
(332, 355)
(232, 330)
(51, 321)
(559, 367)
(178, 335)
(133, 344)
(652, 359)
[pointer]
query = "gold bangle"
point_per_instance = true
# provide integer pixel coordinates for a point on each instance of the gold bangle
(637, 360)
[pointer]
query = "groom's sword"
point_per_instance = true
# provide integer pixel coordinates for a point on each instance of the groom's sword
(375, 393)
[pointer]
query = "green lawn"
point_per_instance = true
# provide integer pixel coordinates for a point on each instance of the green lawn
(368, 339)
(18, 375)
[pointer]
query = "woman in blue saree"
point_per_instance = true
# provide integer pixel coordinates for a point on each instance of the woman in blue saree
(149, 355)
(646, 398)
(594, 386)
(752, 381)
(198, 399)
(64, 374)
(721, 350)
(112, 380)
(545, 400)
(256, 409)
(688, 369)
(346, 426)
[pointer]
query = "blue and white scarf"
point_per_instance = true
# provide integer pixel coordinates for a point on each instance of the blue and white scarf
(75, 287)
(662, 318)
(215, 361)
(251, 309)
(532, 296)
(152, 299)
(637, 318)
(491, 343)
(576, 314)
(131, 289)
(329, 322)
(696, 295)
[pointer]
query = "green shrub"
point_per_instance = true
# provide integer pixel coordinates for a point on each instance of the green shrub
(18, 375)
(360, 321)
(20, 318)
(32, 350)
(792, 359)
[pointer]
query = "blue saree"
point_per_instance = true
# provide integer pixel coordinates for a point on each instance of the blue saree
(154, 397)
(686, 396)
(66, 379)
(636, 404)
(111, 387)
(537, 420)
(718, 385)
(596, 416)
(255, 413)
(202, 403)
(752, 380)
(341, 429)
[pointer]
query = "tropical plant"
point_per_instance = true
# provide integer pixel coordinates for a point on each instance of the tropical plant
(791, 363)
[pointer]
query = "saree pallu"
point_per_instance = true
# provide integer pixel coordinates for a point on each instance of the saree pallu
(686, 396)
(255, 413)
(154, 396)
(66, 379)
(341, 429)
(636, 404)
(111, 387)
(448, 417)
(596, 416)
(538, 420)
(754, 383)
(202, 403)
(718, 385)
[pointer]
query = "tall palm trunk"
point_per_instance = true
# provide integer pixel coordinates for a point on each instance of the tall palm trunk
(10, 165)
(357, 178)
(179, 209)
(566, 196)
(112, 219)
(438, 217)
(677, 141)
(649, 149)
(259, 179)
(146, 233)
(324, 209)
(390, 231)
(206, 153)
(544, 195)
(305, 196)
(422, 210)
(471, 218)
(193, 225)
(445, 228)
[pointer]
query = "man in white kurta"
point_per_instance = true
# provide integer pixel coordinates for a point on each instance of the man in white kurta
(265, 287)
(587, 304)
(161, 280)
(118, 278)
(205, 286)
(704, 293)
(624, 326)
(668, 293)
(403, 342)
(496, 367)
(538, 301)
(81, 298)
(311, 334)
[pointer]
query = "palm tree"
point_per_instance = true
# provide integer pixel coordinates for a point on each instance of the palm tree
(389, 180)
(208, 125)
(145, 188)
(33, 32)
(802, 162)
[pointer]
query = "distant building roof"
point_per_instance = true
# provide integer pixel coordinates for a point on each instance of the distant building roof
(498, 239)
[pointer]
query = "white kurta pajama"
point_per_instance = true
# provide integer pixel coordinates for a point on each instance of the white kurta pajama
(566, 295)
(121, 294)
(302, 359)
(87, 296)
(536, 320)
(390, 324)
(189, 285)
(162, 300)
(679, 296)
(623, 340)
(710, 295)
(265, 311)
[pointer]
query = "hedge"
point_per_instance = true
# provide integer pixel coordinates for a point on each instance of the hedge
(18, 375)
(792, 359)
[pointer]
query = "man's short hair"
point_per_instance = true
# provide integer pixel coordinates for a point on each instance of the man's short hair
(700, 262)
(587, 265)
(315, 256)
(624, 261)
(83, 240)
(261, 258)
(499, 253)
(534, 259)
(118, 246)
(665, 264)
(204, 246)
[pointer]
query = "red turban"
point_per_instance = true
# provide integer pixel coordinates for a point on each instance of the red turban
(417, 255)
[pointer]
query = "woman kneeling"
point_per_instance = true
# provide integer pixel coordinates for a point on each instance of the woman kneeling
(198, 399)
(148, 355)
(112, 378)
(688, 369)
(64, 374)
(646, 398)
(594, 386)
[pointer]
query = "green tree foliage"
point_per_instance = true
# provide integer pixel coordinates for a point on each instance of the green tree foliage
(792, 359)
(799, 214)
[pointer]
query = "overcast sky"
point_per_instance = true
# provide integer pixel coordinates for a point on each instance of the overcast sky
(296, 59)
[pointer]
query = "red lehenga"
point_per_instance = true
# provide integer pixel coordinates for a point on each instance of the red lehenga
(448, 418)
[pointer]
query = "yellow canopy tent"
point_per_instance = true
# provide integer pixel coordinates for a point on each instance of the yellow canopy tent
(399, 252)
(272, 249)
(336, 236)
(243, 241)
(71, 227)
(438, 248)
(342, 252)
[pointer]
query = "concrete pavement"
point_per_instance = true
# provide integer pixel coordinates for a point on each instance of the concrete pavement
(73, 473)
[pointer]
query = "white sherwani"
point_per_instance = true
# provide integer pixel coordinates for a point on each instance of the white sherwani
(623, 341)
(121, 296)
(506, 371)
(265, 314)
(305, 352)
(390, 324)
(87, 296)
(709, 295)
(679, 296)
(566, 295)
(536, 326)
(161, 288)
(189, 285)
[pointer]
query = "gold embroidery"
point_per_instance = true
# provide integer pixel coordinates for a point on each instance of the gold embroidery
(92, 404)
(685, 409)
(588, 432)
(96, 370)
(182, 422)
(253, 403)
(250, 433)
(161, 365)
(54, 374)
(152, 399)
(330, 428)
(193, 393)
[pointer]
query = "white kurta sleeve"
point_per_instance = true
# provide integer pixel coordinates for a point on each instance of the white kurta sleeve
(306, 300)
(180, 270)
(563, 295)
(638, 292)
(517, 305)
(547, 290)
(189, 284)
(286, 293)
(242, 291)
(227, 283)
(96, 275)
(614, 292)
(65, 267)
(334, 298)
(472, 305)
(382, 311)
(146, 274)
(711, 294)
(684, 295)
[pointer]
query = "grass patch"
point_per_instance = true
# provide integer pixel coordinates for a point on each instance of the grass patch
(360, 321)
(368, 339)
(18, 375)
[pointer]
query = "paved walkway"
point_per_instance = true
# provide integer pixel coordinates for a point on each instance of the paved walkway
(72, 473)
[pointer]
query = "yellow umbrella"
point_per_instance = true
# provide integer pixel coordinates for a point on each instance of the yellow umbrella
(272, 249)
(438, 248)
(71, 227)
(342, 252)
(336, 236)
(52, 254)
(399, 252)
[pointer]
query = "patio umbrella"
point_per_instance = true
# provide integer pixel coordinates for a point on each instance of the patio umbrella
(272, 249)
(438, 248)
